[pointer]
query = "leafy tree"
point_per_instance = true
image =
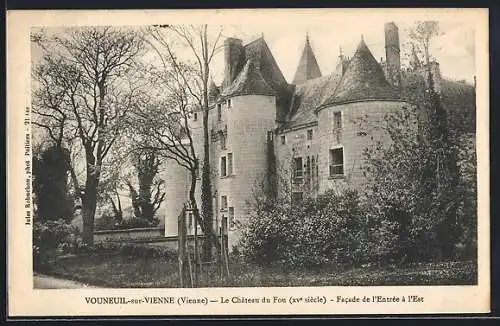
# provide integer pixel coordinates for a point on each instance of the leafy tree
(50, 184)
(149, 196)
(414, 181)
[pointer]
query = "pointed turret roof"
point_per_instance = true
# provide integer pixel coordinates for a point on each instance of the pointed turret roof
(249, 82)
(308, 66)
(363, 79)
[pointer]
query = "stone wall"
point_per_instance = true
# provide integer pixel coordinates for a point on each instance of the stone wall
(142, 236)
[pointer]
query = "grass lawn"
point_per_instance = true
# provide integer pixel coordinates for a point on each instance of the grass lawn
(121, 271)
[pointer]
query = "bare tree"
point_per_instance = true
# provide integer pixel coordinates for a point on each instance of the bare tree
(202, 49)
(84, 89)
(163, 125)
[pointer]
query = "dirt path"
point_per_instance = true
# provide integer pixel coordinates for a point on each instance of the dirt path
(49, 282)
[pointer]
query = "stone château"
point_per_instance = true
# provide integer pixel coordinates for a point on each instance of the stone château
(309, 129)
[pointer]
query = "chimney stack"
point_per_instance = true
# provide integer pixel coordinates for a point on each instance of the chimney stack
(392, 54)
(233, 59)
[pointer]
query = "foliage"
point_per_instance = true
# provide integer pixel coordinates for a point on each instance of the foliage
(323, 230)
(48, 236)
(50, 184)
(107, 222)
(147, 199)
(138, 222)
(421, 208)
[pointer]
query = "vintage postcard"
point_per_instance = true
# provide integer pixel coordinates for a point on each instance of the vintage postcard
(248, 162)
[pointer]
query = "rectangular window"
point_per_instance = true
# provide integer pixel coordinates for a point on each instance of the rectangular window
(310, 134)
(229, 163)
(222, 138)
(299, 169)
(223, 171)
(283, 140)
(229, 103)
(223, 203)
(219, 112)
(308, 167)
(231, 220)
(190, 221)
(337, 120)
(296, 198)
(195, 116)
(336, 162)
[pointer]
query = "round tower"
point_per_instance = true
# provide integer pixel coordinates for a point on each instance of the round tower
(242, 161)
(177, 182)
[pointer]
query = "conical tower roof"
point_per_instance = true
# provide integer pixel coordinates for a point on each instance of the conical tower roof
(249, 82)
(308, 66)
(363, 79)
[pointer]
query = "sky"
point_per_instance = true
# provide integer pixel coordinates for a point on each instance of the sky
(454, 49)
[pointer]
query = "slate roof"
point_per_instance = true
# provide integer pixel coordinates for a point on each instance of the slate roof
(308, 66)
(363, 79)
(308, 96)
(260, 53)
(249, 82)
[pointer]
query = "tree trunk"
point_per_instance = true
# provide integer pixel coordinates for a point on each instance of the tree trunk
(89, 207)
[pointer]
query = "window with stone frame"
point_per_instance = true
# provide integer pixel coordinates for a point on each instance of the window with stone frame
(337, 120)
(337, 162)
(309, 134)
(223, 166)
(223, 203)
(298, 168)
(231, 218)
(219, 112)
(190, 220)
(222, 139)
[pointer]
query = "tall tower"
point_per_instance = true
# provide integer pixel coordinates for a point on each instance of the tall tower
(308, 66)
(392, 54)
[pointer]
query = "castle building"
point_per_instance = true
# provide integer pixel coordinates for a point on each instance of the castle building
(308, 130)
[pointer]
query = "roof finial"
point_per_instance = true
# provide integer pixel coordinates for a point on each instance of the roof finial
(340, 52)
(262, 35)
(362, 38)
(307, 36)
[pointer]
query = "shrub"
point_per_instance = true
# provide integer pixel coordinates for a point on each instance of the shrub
(48, 237)
(137, 222)
(107, 222)
(325, 230)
